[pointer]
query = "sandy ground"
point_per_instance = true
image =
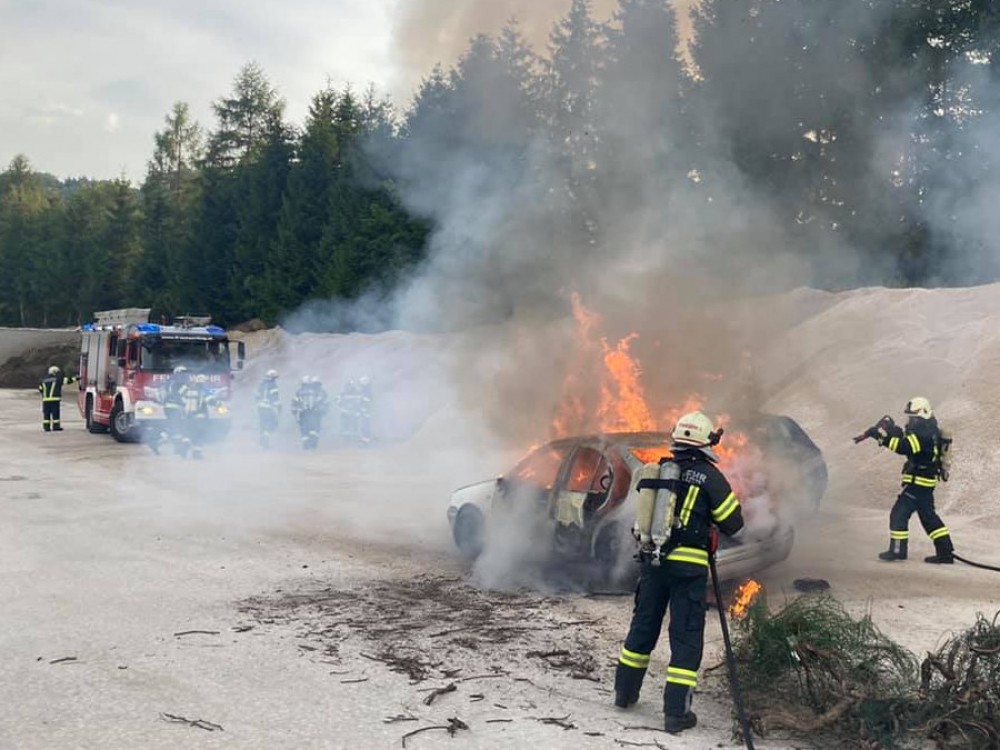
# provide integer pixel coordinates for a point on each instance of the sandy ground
(333, 605)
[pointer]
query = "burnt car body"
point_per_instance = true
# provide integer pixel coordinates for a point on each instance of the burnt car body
(580, 492)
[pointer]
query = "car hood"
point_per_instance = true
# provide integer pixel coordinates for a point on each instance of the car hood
(479, 494)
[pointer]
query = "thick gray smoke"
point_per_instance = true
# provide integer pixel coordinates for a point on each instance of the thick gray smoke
(580, 190)
(429, 32)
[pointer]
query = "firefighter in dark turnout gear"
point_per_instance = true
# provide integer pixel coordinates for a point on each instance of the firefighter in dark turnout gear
(173, 410)
(51, 390)
(679, 577)
(308, 407)
(196, 400)
(268, 407)
(921, 443)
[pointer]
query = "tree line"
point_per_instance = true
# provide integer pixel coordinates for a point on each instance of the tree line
(869, 124)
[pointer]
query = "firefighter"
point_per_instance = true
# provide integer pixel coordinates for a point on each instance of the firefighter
(173, 410)
(196, 400)
(347, 402)
(678, 578)
(268, 406)
(921, 443)
(364, 406)
(51, 390)
(309, 405)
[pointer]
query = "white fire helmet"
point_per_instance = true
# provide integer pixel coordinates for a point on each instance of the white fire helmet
(306, 379)
(272, 375)
(694, 429)
(920, 407)
(180, 369)
(53, 370)
(364, 380)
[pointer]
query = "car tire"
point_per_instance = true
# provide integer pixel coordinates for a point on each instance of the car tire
(123, 427)
(469, 531)
(608, 556)
(88, 417)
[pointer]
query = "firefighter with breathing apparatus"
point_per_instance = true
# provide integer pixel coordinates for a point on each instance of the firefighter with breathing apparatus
(680, 499)
(927, 449)
(173, 412)
(268, 406)
(196, 400)
(51, 390)
(308, 407)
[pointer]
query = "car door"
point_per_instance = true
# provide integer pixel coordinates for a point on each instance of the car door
(583, 486)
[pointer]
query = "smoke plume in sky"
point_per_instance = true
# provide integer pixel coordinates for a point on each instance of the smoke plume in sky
(428, 32)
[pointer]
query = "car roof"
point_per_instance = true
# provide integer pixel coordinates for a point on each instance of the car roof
(623, 439)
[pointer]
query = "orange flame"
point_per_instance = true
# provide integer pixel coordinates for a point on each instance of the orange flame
(603, 390)
(746, 595)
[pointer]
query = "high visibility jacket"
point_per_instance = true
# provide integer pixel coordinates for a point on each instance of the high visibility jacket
(267, 394)
(309, 398)
(920, 442)
(51, 387)
(195, 399)
(704, 498)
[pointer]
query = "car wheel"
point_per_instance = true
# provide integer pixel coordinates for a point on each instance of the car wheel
(608, 555)
(92, 426)
(469, 531)
(123, 427)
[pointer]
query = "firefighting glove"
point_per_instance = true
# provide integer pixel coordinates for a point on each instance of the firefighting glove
(873, 433)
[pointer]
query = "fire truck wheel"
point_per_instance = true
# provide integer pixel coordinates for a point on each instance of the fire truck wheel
(92, 426)
(123, 429)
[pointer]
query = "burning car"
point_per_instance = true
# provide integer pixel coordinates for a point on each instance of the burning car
(578, 493)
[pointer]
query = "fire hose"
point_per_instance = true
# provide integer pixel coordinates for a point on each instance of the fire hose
(730, 659)
(982, 566)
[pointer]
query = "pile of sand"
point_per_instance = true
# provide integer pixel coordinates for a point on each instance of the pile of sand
(26, 354)
(866, 353)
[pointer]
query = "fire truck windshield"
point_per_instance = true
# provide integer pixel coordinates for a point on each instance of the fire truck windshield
(164, 354)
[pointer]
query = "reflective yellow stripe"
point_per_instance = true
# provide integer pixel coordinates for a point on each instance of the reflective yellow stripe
(689, 555)
(893, 443)
(914, 442)
(907, 479)
(632, 659)
(924, 482)
(689, 501)
(726, 508)
(943, 531)
(899, 535)
(680, 676)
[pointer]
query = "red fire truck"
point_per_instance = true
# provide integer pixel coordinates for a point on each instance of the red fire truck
(126, 363)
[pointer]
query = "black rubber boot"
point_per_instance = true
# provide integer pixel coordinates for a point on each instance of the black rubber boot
(625, 700)
(628, 683)
(940, 560)
(676, 724)
(897, 551)
(944, 552)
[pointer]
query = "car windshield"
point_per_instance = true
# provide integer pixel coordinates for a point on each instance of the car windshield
(198, 355)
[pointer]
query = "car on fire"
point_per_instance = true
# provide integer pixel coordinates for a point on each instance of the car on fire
(580, 495)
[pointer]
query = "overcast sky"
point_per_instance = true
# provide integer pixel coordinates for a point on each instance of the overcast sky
(84, 84)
